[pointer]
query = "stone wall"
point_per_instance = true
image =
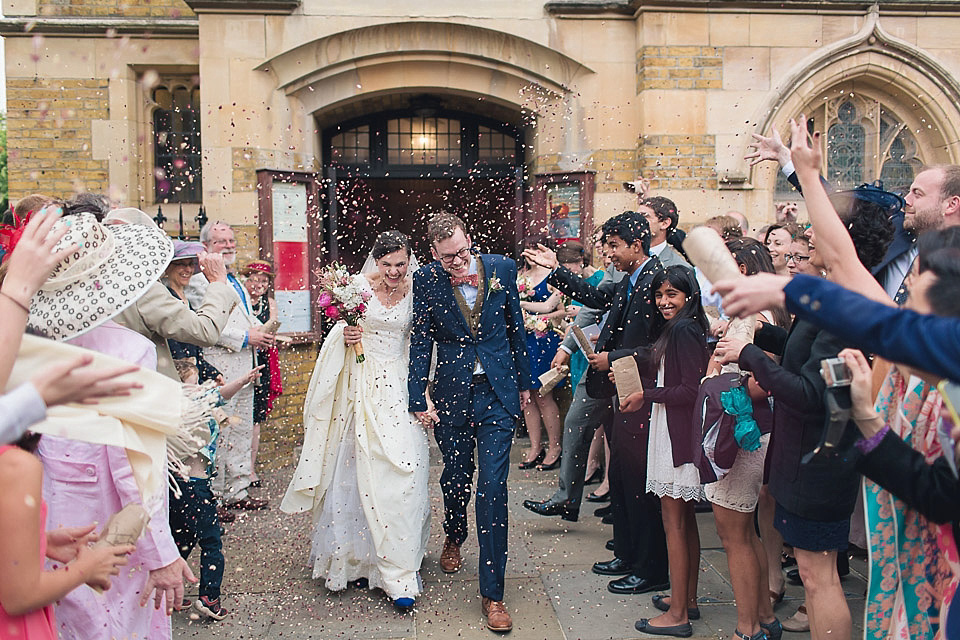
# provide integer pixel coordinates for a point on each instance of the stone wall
(49, 135)
(126, 8)
(679, 68)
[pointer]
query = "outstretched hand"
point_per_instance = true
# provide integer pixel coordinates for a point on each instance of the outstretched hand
(806, 157)
(33, 259)
(75, 381)
(541, 256)
(745, 296)
(764, 148)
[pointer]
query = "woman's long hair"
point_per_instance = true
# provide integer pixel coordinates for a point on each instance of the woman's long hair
(755, 258)
(682, 279)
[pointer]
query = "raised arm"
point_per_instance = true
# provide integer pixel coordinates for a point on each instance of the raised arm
(833, 243)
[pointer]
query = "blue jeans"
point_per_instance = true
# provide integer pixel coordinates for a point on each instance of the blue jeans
(490, 433)
(193, 519)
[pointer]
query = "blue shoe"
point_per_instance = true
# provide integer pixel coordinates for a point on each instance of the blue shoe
(404, 604)
(773, 630)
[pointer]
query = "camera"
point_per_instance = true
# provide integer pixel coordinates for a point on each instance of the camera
(835, 372)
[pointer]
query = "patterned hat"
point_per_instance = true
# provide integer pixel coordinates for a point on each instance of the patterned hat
(113, 267)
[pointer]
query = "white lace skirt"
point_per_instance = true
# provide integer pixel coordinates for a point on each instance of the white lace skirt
(739, 490)
(664, 479)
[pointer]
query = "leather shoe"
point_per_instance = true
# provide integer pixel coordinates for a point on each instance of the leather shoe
(684, 630)
(225, 516)
(551, 508)
(450, 559)
(693, 613)
(607, 519)
(498, 618)
(633, 584)
(609, 545)
(603, 511)
(615, 567)
(530, 465)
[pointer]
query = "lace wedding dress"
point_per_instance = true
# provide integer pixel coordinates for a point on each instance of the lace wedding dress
(364, 464)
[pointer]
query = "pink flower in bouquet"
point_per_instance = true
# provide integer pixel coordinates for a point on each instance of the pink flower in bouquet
(361, 309)
(324, 299)
(332, 312)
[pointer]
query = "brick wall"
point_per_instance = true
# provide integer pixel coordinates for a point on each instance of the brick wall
(679, 68)
(125, 8)
(678, 161)
(49, 135)
(613, 167)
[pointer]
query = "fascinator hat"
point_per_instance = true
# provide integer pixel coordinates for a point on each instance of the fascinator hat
(874, 193)
(112, 267)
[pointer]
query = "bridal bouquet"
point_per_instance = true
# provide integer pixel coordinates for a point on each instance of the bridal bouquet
(342, 298)
(525, 288)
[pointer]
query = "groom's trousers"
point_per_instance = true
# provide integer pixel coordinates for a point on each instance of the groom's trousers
(489, 432)
(584, 417)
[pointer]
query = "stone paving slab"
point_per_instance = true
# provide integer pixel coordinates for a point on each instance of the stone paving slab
(551, 592)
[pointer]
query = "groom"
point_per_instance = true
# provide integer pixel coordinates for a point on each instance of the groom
(467, 305)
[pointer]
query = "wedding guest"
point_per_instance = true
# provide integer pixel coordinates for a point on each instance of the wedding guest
(777, 240)
(28, 591)
(677, 361)
(539, 304)
(233, 355)
(258, 278)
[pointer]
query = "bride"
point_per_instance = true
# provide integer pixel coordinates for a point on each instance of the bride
(364, 464)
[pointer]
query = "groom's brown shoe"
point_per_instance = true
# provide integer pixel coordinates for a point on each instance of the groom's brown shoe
(498, 619)
(450, 560)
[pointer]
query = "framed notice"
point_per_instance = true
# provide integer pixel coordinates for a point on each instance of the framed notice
(563, 206)
(291, 237)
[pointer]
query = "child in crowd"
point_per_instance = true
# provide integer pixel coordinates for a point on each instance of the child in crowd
(27, 590)
(193, 514)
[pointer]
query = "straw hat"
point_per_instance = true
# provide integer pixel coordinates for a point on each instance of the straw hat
(114, 265)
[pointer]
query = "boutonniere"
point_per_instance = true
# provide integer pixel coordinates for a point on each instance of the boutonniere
(494, 284)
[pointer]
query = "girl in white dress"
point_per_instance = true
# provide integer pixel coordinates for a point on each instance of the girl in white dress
(679, 358)
(364, 464)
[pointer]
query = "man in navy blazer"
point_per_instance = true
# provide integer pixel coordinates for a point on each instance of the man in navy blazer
(467, 306)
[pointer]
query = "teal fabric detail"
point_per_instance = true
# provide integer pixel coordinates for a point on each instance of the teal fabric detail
(737, 403)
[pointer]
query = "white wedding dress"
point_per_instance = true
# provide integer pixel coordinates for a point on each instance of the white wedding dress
(363, 470)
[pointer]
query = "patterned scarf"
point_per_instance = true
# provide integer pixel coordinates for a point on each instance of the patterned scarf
(914, 567)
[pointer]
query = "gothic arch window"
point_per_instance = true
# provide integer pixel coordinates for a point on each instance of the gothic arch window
(176, 143)
(865, 140)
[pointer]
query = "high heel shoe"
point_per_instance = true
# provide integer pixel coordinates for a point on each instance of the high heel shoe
(550, 467)
(595, 477)
(532, 463)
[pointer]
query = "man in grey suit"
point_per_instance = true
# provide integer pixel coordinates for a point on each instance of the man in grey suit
(661, 213)
(585, 415)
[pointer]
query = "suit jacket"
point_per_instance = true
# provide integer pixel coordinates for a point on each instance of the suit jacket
(587, 316)
(158, 315)
(684, 363)
(670, 257)
(929, 343)
(628, 325)
(233, 337)
(824, 489)
(499, 342)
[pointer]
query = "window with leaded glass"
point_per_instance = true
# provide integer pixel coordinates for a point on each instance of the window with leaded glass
(865, 140)
(351, 147)
(423, 141)
(177, 150)
(495, 147)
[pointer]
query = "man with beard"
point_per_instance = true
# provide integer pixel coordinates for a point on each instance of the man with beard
(233, 356)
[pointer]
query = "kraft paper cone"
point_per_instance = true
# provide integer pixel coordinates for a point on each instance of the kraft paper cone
(124, 527)
(708, 252)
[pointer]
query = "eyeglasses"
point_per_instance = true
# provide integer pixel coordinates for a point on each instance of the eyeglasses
(795, 257)
(448, 258)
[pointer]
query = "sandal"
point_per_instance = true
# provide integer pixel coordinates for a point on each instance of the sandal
(775, 597)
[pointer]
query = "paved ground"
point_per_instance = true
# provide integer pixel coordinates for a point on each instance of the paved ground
(551, 592)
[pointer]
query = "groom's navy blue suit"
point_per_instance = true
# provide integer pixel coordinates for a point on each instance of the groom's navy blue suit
(476, 411)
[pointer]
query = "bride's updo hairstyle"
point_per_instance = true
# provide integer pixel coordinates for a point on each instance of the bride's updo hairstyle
(389, 242)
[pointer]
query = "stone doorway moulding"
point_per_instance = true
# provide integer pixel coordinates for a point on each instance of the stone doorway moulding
(415, 56)
(874, 57)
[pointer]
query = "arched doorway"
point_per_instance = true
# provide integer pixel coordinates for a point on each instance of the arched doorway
(392, 169)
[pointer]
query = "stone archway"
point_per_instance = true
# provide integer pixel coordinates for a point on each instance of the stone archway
(420, 56)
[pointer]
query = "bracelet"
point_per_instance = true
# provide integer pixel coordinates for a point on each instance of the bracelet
(25, 308)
